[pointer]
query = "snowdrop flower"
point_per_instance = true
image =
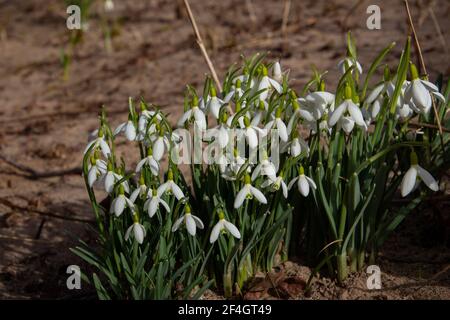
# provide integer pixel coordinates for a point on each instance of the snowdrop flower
(348, 63)
(275, 183)
(160, 145)
(97, 169)
(192, 222)
(347, 106)
(214, 104)
(129, 129)
(266, 84)
(223, 225)
(279, 125)
(410, 180)
(150, 162)
(265, 168)
(137, 229)
(152, 203)
(171, 186)
(248, 192)
(276, 72)
(139, 192)
(297, 145)
(303, 182)
(235, 92)
(144, 128)
(119, 204)
(111, 178)
(220, 133)
(419, 92)
(99, 142)
(251, 133)
(306, 113)
(196, 113)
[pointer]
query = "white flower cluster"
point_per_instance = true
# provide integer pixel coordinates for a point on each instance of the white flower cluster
(262, 104)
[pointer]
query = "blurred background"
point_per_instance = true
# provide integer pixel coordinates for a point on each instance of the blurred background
(53, 82)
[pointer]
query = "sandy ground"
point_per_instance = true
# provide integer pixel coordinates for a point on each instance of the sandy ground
(44, 120)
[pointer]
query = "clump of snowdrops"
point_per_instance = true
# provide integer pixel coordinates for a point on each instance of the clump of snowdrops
(258, 172)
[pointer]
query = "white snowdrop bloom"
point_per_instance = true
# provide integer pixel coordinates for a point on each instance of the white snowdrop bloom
(346, 123)
(109, 5)
(264, 168)
(235, 92)
(347, 106)
(220, 133)
(303, 182)
(277, 74)
(171, 187)
(415, 172)
(251, 133)
(111, 178)
(223, 225)
(160, 145)
(192, 222)
(214, 104)
(404, 112)
(97, 169)
(150, 162)
(319, 102)
(99, 142)
(248, 192)
(279, 125)
(128, 128)
(136, 229)
(348, 63)
(297, 145)
(196, 113)
(419, 92)
(275, 183)
(153, 201)
(144, 128)
(121, 202)
(141, 191)
(260, 112)
(267, 84)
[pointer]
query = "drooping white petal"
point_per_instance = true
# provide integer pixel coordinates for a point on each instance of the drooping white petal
(373, 95)
(177, 191)
(240, 197)
(138, 232)
(165, 205)
(252, 138)
(177, 223)
(337, 114)
(198, 222)
(190, 225)
(282, 130)
(216, 231)
(284, 188)
(127, 234)
(104, 147)
(119, 128)
(154, 166)
(153, 206)
(276, 86)
(439, 96)
(162, 188)
(311, 182)
(356, 114)
(119, 205)
(420, 95)
(303, 185)
(140, 164)
(292, 183)
(130, 131)
(200, 119)
(232, 229)
(427, 178)
(347, 124)
(135, 194)
(185, 117)
(429, 85)
(408, 181)
(258, 194)
(158, 148)
(92, 176)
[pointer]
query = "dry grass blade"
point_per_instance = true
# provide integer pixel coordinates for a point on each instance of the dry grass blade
(202, 45)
